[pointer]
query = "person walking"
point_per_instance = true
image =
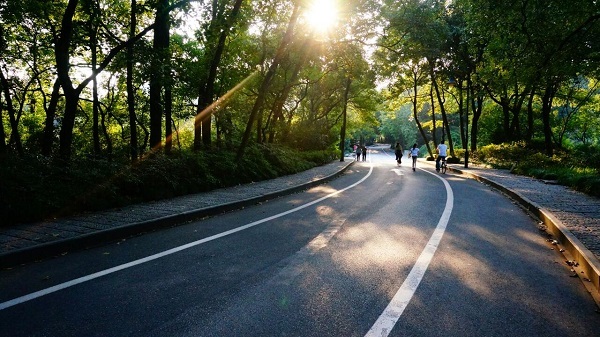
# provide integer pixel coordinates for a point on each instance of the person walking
(398, 152)
(358, 152)
(364, 153)
(414, 154)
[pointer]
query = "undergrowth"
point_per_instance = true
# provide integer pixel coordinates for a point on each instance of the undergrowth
(34, 188)
(578, 167)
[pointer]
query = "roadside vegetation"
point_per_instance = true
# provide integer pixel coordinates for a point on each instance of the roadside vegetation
(577, 166)
(35, 188)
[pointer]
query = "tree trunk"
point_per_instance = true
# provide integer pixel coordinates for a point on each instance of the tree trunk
(109, 143)
(68, 121)
(477, 109)
(461, 116)
(168, 119)
(48, 135)
(3, 149)
(344, 119)
(133, 140)
(433, 119)
(505, 104)
(95, 100)
(416, 113)
(530, 119)
(546, 111)
(167, 83)
(62, 55)
(157, 78)
(15, 136)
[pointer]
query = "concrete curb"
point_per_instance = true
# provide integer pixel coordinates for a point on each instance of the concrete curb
(61, 247)
(588, 263)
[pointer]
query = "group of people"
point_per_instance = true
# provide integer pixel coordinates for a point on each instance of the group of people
(414, 154)
(361, 151)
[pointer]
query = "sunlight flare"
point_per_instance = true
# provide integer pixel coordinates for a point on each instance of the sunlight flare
(322, 15)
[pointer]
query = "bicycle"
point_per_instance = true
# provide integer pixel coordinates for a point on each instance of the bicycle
(443, 166)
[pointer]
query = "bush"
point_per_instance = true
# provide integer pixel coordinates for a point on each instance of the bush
(589, 184)
(34, 188)
(585, 156)
(453, 160)
(502, 155)
(577, 168)
(317, 158)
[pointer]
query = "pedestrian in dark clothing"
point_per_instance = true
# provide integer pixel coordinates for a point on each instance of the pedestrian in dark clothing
(398, 152)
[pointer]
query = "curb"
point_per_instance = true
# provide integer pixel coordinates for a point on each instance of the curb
(588, 263)
(61, 247)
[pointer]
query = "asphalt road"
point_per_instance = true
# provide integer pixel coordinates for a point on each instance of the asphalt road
(379, 251)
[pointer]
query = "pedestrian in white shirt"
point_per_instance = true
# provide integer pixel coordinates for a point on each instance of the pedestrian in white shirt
(414, 154)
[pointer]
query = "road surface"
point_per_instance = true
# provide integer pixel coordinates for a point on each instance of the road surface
(380, 251)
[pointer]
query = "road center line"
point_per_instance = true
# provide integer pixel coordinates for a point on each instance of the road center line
(387, 320)
(105, 272)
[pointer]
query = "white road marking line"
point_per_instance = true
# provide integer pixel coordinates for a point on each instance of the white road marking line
(388, 319)
(105, 272)
(398, 171)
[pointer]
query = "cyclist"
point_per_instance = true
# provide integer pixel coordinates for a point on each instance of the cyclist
(442, 150)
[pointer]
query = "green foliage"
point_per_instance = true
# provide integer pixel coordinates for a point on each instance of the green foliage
(35, 188)
(585, 155)
(503, 155)
(398, 126)
(453, 160)
(316, 158)
(578, 168)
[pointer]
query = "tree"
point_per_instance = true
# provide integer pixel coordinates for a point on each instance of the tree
(133, 141)
(532, 51)
(268, 77)
(219, 29)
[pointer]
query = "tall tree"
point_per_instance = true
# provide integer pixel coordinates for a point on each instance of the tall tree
(133, 138)
(220, 28)
(158, 68)
(62, 52)
(268, 78)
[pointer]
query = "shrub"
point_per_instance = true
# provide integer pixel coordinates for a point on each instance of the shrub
(318, 157)
(502, 155)
(585, 156)
(453, 160)
(33, 188)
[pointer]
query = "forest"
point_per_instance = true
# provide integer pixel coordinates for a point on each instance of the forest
(110, 102)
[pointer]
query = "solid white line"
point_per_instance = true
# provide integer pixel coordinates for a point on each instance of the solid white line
(105, 272)
(387, 320)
